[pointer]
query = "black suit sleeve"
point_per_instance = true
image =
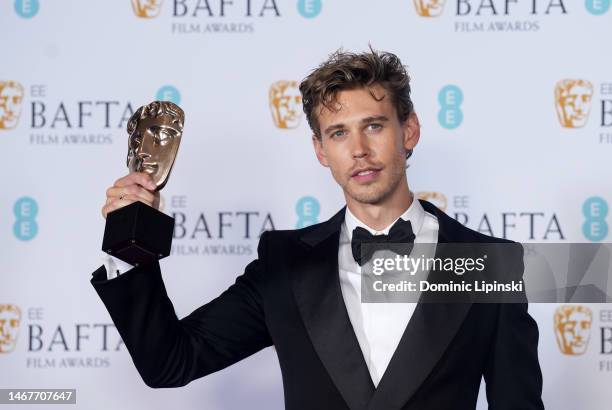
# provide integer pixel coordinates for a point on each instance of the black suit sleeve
(169, 352)
(512, 374)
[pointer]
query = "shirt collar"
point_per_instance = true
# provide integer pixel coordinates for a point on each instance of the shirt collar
(415, 214)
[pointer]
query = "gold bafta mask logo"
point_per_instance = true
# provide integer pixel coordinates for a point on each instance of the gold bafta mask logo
(286, 104)
(429, 8)
(436, 198)
(11, 95)
(155, 131)
(573, 329)
(573, 102)
(10, 317)
(147, 9)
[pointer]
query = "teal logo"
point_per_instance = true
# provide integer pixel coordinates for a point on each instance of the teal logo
(307, 210)
(595, 211)
(168, 93)
(597, 7)
(309, 8)
(26, 8)
(25, 226)
(450, 115)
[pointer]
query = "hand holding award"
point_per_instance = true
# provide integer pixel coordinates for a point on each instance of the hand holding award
(136, 232)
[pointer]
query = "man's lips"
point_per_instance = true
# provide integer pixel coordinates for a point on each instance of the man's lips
(363, 175)
(365, 170)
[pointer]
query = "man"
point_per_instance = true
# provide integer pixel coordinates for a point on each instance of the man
(302, 293)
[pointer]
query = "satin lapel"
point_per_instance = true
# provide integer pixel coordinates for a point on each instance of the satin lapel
(316, 287)
(428, 334)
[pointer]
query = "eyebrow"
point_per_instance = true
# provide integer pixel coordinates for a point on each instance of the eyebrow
(374, 118)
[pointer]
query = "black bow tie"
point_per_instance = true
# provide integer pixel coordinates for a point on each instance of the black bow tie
(400, 240)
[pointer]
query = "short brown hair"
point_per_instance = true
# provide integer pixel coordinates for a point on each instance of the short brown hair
(346, 71)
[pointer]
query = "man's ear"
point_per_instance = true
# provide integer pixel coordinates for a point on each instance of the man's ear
(317, 143)
(411, 129)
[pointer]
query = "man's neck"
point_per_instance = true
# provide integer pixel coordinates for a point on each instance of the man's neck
(381, 215)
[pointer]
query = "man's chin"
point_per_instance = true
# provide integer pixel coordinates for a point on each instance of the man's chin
(373, 197)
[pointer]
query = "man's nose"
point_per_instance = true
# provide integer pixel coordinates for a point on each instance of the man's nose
(359, 145)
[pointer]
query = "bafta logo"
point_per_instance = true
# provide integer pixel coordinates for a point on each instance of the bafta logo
(573, 329)
(286, 104)
(573, 102)
(429, 8)
(11, 95)
(147, 8)
(10, 316)
(155, 132)
(436, 198)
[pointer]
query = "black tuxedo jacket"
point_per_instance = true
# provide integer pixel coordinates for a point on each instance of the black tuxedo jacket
(290, 297)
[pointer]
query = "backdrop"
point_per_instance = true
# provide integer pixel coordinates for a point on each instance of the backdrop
(515, 101)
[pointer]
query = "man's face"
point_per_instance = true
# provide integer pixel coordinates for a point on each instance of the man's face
(364, 144)
(574, 102)
(286, 104)
(11, 94)
(575, 330)
(429, 8)
(9, 327)
(153, 146)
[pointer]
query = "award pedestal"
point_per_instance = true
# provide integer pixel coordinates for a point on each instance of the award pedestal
(138, 234)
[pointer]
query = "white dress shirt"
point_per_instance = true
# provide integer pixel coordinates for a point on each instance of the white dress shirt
(114, 266)
(378, 326)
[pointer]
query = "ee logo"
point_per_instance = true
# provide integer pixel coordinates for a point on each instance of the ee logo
(26, 8)
(597, 7)
(168, 93)
(450, 115)
(307, 210)
(25, 226)
(595, 211)
(309, 8)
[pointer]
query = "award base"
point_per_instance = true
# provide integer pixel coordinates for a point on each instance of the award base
(138, 234)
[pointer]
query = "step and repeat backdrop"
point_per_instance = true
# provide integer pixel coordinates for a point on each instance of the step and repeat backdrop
(515, 101)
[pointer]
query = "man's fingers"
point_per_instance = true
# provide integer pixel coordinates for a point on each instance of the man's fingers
(139, 178)
(136, 186)
(116, 204)
(135, 191)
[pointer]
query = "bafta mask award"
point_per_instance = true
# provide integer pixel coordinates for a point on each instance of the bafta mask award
(138, 233)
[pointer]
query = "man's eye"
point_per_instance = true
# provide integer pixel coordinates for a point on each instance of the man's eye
(374, 127)
(338, 133)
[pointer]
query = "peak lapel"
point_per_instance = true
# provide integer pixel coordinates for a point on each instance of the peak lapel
(429, 332)
(316, 286)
